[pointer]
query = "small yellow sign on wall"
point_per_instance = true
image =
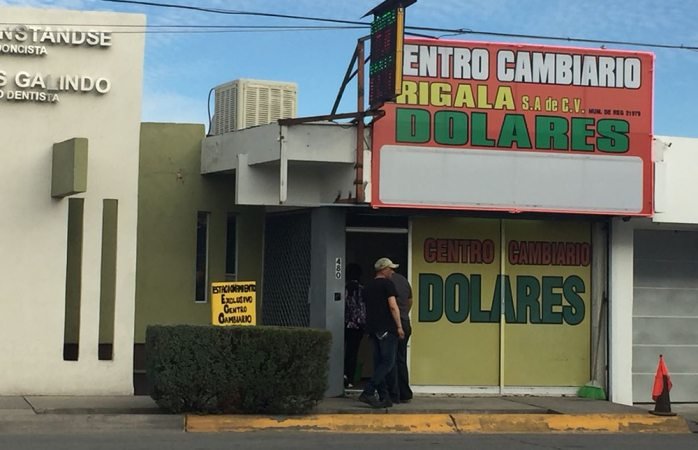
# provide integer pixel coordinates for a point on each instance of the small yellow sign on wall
(234, 303)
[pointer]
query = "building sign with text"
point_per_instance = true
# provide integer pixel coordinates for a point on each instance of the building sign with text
(234, 303)
(517, 128)
(36, 42)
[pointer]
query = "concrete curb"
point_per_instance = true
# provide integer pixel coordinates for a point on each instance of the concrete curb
(442, 423)
(66, 423)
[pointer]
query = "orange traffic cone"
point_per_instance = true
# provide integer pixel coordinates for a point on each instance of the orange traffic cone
(660, 390)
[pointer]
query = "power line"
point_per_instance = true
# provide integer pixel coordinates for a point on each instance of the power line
(359, 25)
(449, 32)
(221, 31)
(118, 25)
(234, 12)
(464, 31)
(197, 29)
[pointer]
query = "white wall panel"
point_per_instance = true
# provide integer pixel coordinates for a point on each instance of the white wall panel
(676, 184)
(34, 225)
(510, 180)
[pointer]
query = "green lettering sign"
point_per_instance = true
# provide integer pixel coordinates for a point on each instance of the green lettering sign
(431, 297)
(412, 125)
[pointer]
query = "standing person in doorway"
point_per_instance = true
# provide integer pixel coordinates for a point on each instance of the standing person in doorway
(384, 328)
(399, 385)
(354, 322)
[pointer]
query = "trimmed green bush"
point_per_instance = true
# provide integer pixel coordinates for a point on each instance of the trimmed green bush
(207, 369)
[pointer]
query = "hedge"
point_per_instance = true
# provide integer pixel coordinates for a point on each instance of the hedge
(207, 369)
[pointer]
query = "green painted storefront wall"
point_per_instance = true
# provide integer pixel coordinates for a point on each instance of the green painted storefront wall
(171, 193)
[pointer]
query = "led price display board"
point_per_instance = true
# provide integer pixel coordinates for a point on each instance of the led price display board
(385, 75)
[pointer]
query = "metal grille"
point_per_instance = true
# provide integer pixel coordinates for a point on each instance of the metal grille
(286, 270)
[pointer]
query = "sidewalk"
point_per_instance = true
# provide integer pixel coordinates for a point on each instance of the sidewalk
(424, 414)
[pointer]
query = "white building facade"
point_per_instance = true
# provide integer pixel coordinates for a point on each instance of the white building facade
(70, 103)
(654, 283)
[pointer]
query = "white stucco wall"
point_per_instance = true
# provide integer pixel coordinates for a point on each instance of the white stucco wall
(676, 184)
(621, 312)
(675, 207)
(33, 226)
(307, 164)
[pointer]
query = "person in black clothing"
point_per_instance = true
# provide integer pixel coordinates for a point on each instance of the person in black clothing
(354, 322)
(399, 378)
(384, 328)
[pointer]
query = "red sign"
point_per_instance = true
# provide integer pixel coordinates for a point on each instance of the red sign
(566, 129)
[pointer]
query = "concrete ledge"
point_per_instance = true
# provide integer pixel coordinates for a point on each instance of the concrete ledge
(443, 423)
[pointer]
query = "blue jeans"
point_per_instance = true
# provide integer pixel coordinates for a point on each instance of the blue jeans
(399, 377)
(384, 351)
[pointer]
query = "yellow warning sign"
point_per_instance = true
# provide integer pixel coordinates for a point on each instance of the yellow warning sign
(234, 303)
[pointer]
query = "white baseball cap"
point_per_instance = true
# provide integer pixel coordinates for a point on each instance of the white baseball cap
(384, 263)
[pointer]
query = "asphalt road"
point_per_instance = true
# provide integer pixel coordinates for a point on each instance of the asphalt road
(173, 440)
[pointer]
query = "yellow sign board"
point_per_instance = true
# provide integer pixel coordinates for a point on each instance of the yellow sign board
(234, 303)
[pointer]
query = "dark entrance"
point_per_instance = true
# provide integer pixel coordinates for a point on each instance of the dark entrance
(368, 238)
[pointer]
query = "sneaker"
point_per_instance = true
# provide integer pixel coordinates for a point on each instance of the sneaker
(368, 399)
(373, 401)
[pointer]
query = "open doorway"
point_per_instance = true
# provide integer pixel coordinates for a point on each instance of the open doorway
(364, 245)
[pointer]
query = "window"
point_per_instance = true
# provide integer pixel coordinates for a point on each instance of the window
(202, 220)
(231, 249)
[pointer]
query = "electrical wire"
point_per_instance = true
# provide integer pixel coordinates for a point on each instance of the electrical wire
(194, 29)
(121, 25)
(197, 29)
(234, 12)
(253, 30)
(556, 38)
(210, 117)
(449, 32)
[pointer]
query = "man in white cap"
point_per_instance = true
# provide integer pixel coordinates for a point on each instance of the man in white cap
(399, 378)
(384, 328)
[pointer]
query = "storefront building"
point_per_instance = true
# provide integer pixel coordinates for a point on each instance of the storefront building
(548, 238)
(494, 179)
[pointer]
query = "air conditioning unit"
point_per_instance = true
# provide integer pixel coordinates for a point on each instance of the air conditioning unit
(247, 103)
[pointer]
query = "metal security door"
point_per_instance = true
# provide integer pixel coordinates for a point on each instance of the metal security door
(501, 306)
(665, 312)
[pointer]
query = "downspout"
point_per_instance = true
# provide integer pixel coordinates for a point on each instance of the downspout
(283, 165)
(502, 304)
(607, 299)
(360, 127)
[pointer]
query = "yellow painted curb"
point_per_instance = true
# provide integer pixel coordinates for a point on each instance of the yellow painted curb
(343, 423)
(443, 423)
(569, 423)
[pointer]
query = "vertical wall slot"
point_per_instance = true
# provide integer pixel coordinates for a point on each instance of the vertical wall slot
(231, 243)
(201, 271)
(107, 288)
(73, 280)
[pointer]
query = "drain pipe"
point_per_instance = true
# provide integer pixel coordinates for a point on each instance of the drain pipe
(360, 127)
